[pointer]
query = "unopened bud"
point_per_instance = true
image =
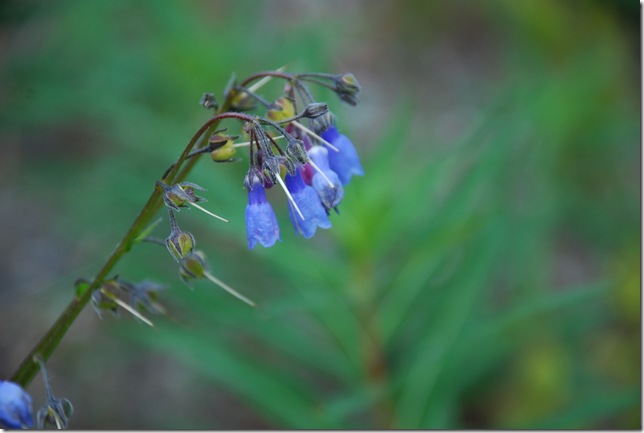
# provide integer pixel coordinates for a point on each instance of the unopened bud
(347, 88)
(193, 266)
(283, 108)
(295, 150)
(176, 196)
(242, 101)
(180, 243)
(224, 150)
(315, 110)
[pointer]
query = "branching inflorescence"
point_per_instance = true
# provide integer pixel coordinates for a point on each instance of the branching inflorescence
(293, 144)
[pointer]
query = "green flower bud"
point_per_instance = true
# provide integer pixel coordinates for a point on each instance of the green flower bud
(180, 243)
(224, 152)
(282, 109)
(193, 266)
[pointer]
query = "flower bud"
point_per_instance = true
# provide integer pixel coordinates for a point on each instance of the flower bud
(177, 195)
(347, 88)
(193, 266)
(180, 243)
(224, 152)
(282, 109)
(315, 110)
(242, 101)
(295, 150)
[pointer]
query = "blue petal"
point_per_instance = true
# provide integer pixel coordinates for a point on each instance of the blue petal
(330, 194)
(345, 162)
(15, 406)
(309, 204)
(261, 222)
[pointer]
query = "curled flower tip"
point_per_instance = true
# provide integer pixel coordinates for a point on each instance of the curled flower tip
(261, 222)
(15, 406)
(345, 162)
(325, 181)
(313, 212)
(56, 411)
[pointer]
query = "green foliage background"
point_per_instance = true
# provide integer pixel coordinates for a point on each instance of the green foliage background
(484, 273)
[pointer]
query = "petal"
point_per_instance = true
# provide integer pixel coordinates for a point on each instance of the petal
(15, 406)
(345, 162)
(261, 222)
(309, 204)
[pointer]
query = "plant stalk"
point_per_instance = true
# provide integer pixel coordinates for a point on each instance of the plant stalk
(179, 171)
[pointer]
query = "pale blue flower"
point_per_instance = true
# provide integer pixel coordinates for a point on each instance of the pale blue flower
(308, 202)
(261, 222)
(15, 406)
(345, 162)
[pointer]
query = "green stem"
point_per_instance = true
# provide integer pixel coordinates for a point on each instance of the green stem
(48, 343)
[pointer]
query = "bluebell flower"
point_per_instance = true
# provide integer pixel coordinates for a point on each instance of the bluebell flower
(15, 406)
(345, 162)
(325, 181)
(309, 204)
(261, 222)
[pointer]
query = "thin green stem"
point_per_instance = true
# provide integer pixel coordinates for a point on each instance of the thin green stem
(179, 171)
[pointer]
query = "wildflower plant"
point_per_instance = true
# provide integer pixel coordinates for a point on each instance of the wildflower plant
(292, 144)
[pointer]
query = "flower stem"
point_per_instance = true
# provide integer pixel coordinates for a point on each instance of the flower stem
(179, 171)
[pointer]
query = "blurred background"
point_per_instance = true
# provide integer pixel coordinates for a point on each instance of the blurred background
(484, 273)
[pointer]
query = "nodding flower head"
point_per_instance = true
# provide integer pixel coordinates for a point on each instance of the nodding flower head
(313, 212)
(15, 406)
(325, 181)
(345, 162)
(261, 222)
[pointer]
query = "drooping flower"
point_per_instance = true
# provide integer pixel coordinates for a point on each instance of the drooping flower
(345, 162)
(309, 204)
(261, 222)
(325, 181)
(15, 406)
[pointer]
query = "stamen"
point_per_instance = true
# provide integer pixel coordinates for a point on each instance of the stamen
(127, 307)
(314, 135)
(264, 80)
(207, 211)
(310, 161)
(229, 289)
(247, 143)
(288, 194)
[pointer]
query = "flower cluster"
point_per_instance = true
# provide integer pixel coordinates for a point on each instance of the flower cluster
(313, 168)
(312, 164)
